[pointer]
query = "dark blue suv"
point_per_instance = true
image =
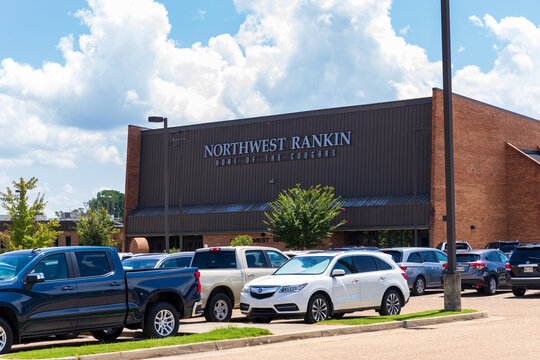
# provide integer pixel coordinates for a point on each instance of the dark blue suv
(483, 270)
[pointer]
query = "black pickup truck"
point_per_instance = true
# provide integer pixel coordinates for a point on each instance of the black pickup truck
(66, 290)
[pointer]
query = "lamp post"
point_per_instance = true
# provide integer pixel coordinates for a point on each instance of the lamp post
(159, 119)
(452, 280)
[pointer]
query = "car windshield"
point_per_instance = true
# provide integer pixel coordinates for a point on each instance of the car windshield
(467, 257)
(11, 264)
(396, 255)
(525, 255)
(507, 247)
(462, 246)
(304, 265)
(137, 263)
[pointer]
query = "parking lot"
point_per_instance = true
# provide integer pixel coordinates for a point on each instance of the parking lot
(512, 322)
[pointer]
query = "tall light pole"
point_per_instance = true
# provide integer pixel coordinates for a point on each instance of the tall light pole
(452, 280)
(158, 119)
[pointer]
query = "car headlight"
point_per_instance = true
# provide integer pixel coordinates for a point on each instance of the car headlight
(292, 288)
(245, 290)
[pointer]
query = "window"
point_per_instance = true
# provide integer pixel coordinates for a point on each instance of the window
(467, 257)
(183, 261)
(429, 256)
(68, 240)
(415, 257)
(492, 256)
(93, 263)
(171, 263)
(53, 267)
(365, 264)
(442, 257)
(396, 255)
(382, 265)
(346, 264)
(304, 265)
(503, 257)
(276, 259)
(215, 259)
(255, 259)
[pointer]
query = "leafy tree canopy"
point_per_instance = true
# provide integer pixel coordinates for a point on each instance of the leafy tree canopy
(242, 240)
(302, 218)
(24, 232)
(110, 200)
(96, 228)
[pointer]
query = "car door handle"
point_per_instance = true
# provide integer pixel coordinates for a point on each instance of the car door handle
(115, 284)
(68, 288)
(382, 278)
(250, 275)
(355, 281)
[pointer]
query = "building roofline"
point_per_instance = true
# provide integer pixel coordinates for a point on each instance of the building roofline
(492, 106)
(296, 115)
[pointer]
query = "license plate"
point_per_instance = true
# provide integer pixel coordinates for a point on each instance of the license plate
(528, 269)
(460, 268)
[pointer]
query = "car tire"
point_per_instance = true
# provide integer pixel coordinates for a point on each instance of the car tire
(318, 309)
(6, 336)
(68, 336)
(391, 303)
(218, 308)
(519, 292)
(491, 288)
(419, 286)
(160, 320)
(261, 320)
(107, 334)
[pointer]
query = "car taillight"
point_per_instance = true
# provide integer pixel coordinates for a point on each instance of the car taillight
(478, 265)
(404, 275)
(507, 266)
(198, 276)
(403, 268)
(444, 266)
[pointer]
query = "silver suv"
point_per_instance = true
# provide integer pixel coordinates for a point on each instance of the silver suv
(423, 266)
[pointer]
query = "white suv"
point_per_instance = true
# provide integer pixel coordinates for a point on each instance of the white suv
(322, 285)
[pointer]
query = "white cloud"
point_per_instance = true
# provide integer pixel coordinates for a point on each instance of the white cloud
(461, 49)
(513, 82)
(476, 21)
(405, 30)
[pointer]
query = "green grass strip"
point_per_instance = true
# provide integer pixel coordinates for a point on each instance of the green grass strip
(379, 319)
(230, 332)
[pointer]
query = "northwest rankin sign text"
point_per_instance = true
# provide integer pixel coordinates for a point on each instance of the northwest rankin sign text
(278, 144)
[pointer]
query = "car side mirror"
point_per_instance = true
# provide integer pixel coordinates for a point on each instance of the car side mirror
(338, 272)
(35, 278)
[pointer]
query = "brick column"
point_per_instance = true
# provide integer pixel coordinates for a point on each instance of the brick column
(133, 165)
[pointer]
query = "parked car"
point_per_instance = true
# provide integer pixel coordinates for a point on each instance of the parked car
(157, 261)
(424, 266)
(460, 245)
(483, 270)
(523, 271)
(67, 290)
(506, 247)
(319, 286)
(225, 270)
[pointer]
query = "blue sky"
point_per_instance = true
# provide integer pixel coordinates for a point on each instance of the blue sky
(74, 74)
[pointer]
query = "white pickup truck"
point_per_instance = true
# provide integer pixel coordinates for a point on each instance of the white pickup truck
(225, 270)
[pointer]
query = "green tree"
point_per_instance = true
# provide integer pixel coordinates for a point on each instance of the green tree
(96, 228)
(242, 240)
(110, 200)
(302, 218)
(24, 231)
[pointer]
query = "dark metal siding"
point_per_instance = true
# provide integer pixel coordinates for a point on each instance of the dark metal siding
(385, 148)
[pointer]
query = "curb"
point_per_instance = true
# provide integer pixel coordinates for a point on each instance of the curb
(271, 339)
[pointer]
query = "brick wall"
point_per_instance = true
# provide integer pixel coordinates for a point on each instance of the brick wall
(133, 163)
(480, 134)
(523, 196)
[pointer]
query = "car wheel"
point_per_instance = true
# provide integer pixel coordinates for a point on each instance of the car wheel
(318, 309)
(391, 303)
(261, 320)
(68, 336)
(491, 288)
(6, 336)
(218, 309)
(518, 291)
(107, 334)
(419, 286)
(160, 321)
